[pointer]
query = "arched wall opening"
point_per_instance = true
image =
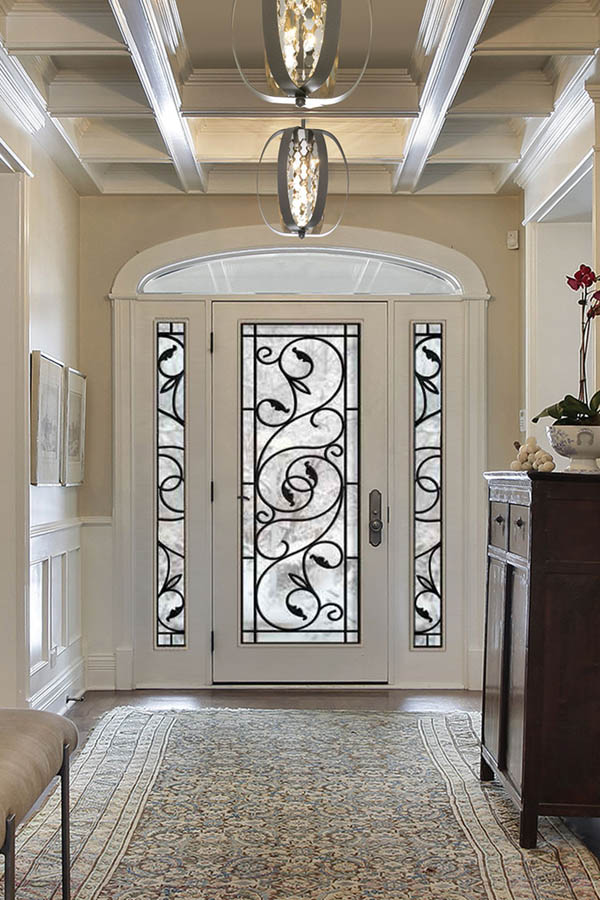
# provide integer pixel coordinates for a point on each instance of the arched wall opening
(241, 261)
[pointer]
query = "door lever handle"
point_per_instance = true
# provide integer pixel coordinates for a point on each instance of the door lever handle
(375, 520)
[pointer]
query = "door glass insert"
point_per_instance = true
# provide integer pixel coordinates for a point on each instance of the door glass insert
(299, 498)
(170, 484)
(427, 474)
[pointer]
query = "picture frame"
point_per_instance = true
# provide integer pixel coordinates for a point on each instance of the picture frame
(74, 428)
(47, 392)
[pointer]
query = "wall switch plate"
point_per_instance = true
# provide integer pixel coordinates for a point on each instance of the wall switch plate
(522, 420)
(512, 240)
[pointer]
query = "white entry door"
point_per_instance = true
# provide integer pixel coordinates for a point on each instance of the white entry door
(300, 448)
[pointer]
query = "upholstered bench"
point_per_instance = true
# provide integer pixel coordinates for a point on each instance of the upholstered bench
(34, 749)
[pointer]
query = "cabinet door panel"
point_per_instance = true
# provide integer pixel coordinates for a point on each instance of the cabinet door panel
(494, 654)
(571, 702)
(518, 604)
(498, 524)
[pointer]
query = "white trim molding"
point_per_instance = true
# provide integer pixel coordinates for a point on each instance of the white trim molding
(52, 697)
(140, 25)
(457, 41)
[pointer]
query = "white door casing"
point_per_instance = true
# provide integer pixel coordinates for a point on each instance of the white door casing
(466, 314)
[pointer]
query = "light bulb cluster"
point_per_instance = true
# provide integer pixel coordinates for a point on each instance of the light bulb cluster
(303, 176)
(301, 25)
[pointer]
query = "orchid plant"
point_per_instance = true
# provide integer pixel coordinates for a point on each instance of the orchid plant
(580, 410)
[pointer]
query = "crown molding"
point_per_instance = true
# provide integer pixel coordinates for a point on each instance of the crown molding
(574, 102)
(24, 101)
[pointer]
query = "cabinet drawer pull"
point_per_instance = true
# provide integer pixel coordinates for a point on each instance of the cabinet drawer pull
(519, 523)
(499, 519)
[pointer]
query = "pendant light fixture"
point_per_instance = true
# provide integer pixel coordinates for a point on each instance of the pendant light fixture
(302, 181)
(301, 41)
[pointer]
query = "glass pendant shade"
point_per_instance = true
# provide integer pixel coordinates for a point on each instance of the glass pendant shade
(302, 180)
(301, 44)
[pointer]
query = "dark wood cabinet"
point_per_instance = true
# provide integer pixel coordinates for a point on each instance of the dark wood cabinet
(541, 699)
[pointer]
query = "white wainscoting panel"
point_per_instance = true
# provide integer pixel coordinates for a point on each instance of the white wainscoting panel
(56, 665)
(97, 581)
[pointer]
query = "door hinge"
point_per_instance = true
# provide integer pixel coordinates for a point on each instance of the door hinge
(211, 345)
(212, 642)
(388, 515)
(212, 492)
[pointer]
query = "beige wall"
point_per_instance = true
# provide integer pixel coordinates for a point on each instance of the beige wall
(113, 229)
(53, 255)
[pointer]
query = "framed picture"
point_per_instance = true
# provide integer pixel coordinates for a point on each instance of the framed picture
(74, 428)
(47, 380)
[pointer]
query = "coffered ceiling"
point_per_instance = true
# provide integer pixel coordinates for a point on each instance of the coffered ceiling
(142, 96)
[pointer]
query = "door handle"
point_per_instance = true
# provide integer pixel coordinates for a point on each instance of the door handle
(375, 520)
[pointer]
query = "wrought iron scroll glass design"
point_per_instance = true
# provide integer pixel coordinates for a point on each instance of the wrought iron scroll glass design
(170, 484)
(300, 483)
(428, 488)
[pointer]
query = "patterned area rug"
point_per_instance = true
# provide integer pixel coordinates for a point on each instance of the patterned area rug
(293, 805)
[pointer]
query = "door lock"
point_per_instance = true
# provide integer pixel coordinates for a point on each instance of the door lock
(375, 520)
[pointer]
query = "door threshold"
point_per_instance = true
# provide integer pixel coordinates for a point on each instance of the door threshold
(300, 686)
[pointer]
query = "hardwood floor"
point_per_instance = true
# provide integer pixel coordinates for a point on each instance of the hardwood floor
(86, 713)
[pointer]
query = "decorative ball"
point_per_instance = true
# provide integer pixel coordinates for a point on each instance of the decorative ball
(532, 457)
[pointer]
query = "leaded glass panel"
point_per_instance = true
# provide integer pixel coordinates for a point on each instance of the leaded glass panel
(300, 504)
(170, 484)
(428, 488)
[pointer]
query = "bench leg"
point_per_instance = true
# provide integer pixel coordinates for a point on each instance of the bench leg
(8, 849)
(65, 831)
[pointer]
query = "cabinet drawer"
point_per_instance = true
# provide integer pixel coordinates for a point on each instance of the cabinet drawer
(498, 524)
(518, 534)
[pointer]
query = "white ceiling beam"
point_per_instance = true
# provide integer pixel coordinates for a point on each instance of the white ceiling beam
(142, 32)
(45, 30)
(76, 94)
(100, 142)
(527, 94)
(221, 92)
(241, 179)
(489, 146)
(553, 31)
(243, 140)
(451, 57)
(28, 106)
(137, 179)
(457, 179)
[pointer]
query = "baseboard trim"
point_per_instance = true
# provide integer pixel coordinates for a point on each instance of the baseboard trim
(101, 672)
(53, 696)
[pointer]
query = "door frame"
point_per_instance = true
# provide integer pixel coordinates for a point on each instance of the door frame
(472, 515)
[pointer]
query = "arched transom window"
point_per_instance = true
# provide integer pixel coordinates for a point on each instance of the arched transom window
(314, 271)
